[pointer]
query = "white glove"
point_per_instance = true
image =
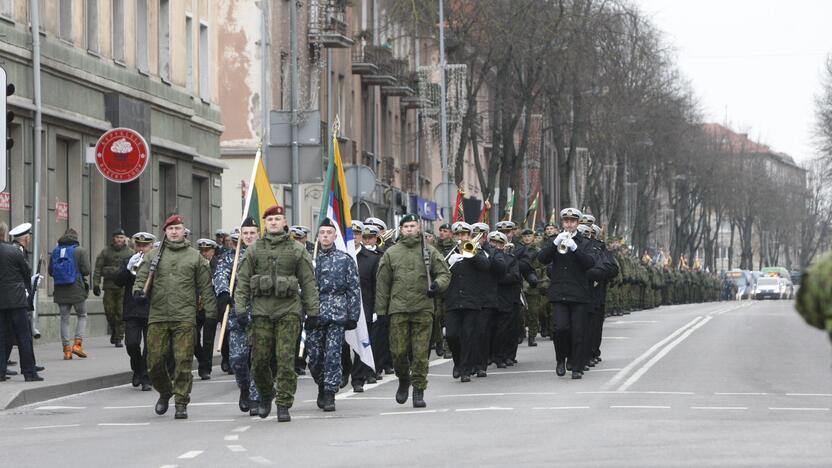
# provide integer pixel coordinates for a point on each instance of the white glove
(453, 259)
(570, 243)
(135, 261)
(36, 277)
(375, 317)
(561, 237)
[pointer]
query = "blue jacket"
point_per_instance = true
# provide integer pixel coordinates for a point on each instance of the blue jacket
(339, 290)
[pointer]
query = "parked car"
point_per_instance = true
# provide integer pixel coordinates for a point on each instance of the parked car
(768, 287)
(785, 277)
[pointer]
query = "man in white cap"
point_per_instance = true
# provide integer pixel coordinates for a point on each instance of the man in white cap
(21, 237)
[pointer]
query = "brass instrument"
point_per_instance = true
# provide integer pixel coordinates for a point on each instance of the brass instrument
(562, 248)
(508, 248)
(453, 251)
(469, 248)
(387, 236)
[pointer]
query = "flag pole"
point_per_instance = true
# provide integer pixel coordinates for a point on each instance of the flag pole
(536, 209)
(233, 279)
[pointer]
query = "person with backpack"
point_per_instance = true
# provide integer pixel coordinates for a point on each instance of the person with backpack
(68, 265)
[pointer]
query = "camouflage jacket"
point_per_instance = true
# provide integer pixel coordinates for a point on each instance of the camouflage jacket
(222, 275)
(402, 282)
(338, 286)
(814, 298)
(108, 264)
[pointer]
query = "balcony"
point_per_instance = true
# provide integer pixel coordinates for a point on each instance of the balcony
(328, 24)
(383, 59)
(399, 70)
(364, 61)
(415, 100)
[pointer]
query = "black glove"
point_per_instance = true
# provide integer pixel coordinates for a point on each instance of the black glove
(433, 290)
(533, 281)
(311, 323)
(96, 290)
(140, 298)
(351, 325)
(223, 300)
(243, 320)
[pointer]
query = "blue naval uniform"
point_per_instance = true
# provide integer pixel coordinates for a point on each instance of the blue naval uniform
(239, 349)
(339, 293)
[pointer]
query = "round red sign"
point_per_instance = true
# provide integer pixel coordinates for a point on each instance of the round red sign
(121, 155)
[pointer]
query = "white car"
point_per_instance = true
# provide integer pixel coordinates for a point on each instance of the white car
(769, 287)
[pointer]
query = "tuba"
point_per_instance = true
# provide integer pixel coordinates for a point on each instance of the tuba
(562, 248)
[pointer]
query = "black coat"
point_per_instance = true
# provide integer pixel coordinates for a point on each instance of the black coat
(15, 277)
(510, 284)
(464, 291)
(130, 309)
(568, 271)
(489, 280)
(367, 268)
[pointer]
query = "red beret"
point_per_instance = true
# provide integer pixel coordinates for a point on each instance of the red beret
(173, 219)
(274, 210)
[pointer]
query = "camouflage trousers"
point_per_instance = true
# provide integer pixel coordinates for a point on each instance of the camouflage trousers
(410, 346)
(239, 357)
(537, 308)
(161, 337)
(323, 345)
(113, 300)
(275, 339)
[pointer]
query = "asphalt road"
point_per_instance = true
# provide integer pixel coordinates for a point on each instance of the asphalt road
(723, 384)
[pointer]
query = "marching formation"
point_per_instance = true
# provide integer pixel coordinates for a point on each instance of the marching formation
(471, 294)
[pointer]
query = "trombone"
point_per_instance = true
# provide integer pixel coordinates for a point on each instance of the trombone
(387, 236)
(469, 248)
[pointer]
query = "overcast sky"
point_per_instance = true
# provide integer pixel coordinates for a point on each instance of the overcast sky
(758, 62)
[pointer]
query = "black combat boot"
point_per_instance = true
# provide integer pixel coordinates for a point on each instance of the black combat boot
(358, 387)
(283, 414)
(244, 403)
(371, 379)
(561, 369)
(464, 378)
(440, 350)
(32, 377)
(254, 407)
(162, 405)
(146, 387)
(403, 391)
(455, 372)
(577, 375)
(482, 373)
(265, 406)
(329, 401)
(137, 379)
(181, 412)
(419, 398)
(204, 375)
(501, 364)
(532, 342)
(321, 397)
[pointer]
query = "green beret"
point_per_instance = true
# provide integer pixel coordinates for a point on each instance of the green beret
(445, 226)
(527, 232)
(119, 232)
(408, 218)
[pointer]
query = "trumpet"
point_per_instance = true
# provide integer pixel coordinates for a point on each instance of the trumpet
(562, 248)
(508, 248)
(469, 248)
(387, 236)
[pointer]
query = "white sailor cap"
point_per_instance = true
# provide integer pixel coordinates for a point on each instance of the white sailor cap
(357, 225)
(206, 244)
(480, 227)
(584, 229)
(570, 213)
(142, 237)
(461, 226)
(497, 236)
(220, 232)
(587, 219)
(235, 234)
(21, 230)
(506, 225)
(596, 229)
(187, 232)
(376, 222)
(371, 230)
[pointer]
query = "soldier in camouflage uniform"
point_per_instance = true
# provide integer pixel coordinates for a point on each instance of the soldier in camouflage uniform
(179, 273)
(404, 293)
(445, 243)
(276, 278)
(544, 318)
(338, 287)
(107, 266)
(239, 348)
(535, 297)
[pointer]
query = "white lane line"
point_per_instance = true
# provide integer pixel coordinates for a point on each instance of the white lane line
(358, 398)
(209, 420)
(390, 378)
(57, 426)
(799, 409)
(463, 395)
(595, 369)
(741, 393)
(662, 353)
(260, 460)
(241, 429)
(719, 407)
(543, 371)
(231, 438)
(560, 407)
(236, 448)
(810, 394)
(48, 408)
(619, 322)
(168, 466)
(124, 424)
(128, 407)
(214, 403)
(626, 370)
(639, 407)
(490, 408)
(616, 338)
(191, 454)
(414, 412)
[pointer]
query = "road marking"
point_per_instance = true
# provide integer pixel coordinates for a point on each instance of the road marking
(209, 420)
(462, 395)
(560, 407)
(719, 407)
(490, 408)
(392, 378)
(236, 448)
(128, 407)
(616, 338)
(231, 438)
(57, 426)
(48, 408)
(542, 371)
(241, 429)
(619, 322)
(414, 412)
(214, 403)
(799, 409)
(359, 398)
(810, 394)
(638, 407)
(260, 460)
(191, 454)
(626, 370)
(168, 466)
(662, 353)
(741, 393)
(124, 424)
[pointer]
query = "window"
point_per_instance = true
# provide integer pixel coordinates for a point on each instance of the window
(204, 62)
(141, 36)
(118, 30)
(287, 204)
(200, 208)
(189, 52)
(92, 26)
(167, 191)
(164, 39)
(65, 20)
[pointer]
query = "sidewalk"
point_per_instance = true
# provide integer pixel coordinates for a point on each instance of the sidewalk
(105, 366)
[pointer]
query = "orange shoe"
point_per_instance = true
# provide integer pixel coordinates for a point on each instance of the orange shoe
(67, 353)
(78, 350)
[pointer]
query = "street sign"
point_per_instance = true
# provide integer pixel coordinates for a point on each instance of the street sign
(361, 181)
(121, 155)
(442, 194)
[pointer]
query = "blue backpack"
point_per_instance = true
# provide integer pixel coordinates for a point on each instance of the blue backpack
(64, 271)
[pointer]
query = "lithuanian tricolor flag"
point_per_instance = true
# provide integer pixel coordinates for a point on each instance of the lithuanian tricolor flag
(259, 196)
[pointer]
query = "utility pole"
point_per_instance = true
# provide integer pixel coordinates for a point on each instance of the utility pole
(293, 67)
(443, 110)
(265, 103)
(35, 19)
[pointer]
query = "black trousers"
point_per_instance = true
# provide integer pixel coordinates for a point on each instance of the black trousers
(518, 329)
(570, 331)
(380, 339)
(204, 344)
(135, 341)
(15, 323)
(505, 336)
(484, 333)
(596, 330)
(460, 331)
